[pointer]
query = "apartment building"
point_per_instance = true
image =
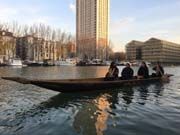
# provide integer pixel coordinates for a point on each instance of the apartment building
(92, 28)
(31, 48)
(25, 47)
(7, 46)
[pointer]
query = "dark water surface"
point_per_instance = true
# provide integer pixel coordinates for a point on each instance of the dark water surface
(150, 109)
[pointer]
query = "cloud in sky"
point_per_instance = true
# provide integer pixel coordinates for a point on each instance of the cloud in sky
(56, 14)
(121, 25)
(24, 15)
(161, 20)
(72, 7)
(7, 12)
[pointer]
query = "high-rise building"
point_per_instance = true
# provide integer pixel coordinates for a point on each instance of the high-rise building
(92, 28)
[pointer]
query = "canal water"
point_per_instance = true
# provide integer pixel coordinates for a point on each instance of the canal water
(149, 109)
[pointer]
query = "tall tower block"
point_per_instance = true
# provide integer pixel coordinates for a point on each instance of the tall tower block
(92, 28)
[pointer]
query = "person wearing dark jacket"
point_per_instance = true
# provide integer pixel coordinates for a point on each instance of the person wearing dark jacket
(127, 72)
(113, 72)
(143, 71)
(159, 70)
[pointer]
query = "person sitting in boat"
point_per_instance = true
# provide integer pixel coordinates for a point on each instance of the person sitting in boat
(159, 70)
(113, 72)
(127, 72)
(143, 72)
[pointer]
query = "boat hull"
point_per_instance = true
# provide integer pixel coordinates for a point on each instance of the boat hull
(81, 85)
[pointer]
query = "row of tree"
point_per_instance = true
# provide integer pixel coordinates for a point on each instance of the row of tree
(48, 33)
(38, 30)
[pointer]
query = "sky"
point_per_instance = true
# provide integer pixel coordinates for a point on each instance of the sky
(129, 19)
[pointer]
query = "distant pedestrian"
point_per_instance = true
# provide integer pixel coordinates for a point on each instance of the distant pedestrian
(127, 73)
(143, 71)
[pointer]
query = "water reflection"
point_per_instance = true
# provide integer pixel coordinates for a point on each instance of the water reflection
(63, 72)
(146, 90)
(128, 95)
(92, 117)
(104, 106)
(143, 93)
(148, 109)
(93, 110)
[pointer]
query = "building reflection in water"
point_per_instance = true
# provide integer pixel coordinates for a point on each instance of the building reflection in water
(127, 95)
(93, 111)
(92, 117)
(104, 106)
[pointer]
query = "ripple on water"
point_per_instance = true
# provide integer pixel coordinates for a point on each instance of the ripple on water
(147, 109)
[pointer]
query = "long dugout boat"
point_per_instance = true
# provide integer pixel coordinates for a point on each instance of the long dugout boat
(82, 85)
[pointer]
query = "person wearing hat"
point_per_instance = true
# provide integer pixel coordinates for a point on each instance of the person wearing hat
(127, 73)
(113, 72)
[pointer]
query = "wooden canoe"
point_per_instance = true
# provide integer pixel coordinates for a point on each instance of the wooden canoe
(80, 85)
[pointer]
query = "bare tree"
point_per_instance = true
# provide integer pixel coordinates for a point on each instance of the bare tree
(53, 36)
(25, 30)
(109, 49)
(1, 26)
(58, 38)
